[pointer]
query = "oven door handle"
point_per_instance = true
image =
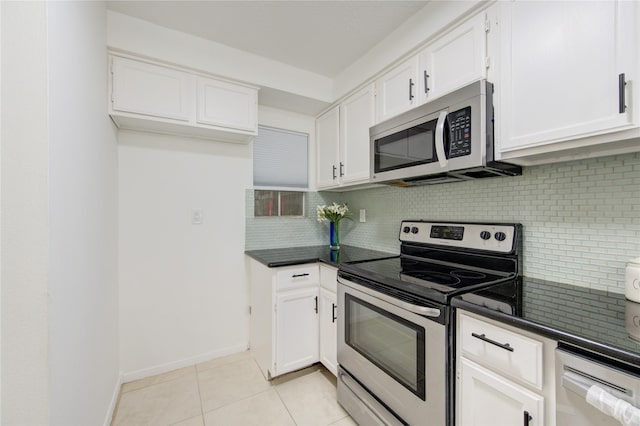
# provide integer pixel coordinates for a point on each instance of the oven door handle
(442, 158)
(416, 309)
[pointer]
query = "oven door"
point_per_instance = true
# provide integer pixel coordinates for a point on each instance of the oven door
(395, 355)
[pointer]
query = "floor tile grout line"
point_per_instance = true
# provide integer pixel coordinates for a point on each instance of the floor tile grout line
(199, 394)
(271, 387)
(158, 383)
(236, 401)
(285, 406)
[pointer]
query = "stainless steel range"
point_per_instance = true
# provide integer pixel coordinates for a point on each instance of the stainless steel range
(395, 331)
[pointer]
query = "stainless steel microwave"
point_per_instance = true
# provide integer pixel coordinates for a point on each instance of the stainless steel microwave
(446, 140)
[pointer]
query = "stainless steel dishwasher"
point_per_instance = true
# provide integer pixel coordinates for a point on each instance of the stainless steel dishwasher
(615, 388)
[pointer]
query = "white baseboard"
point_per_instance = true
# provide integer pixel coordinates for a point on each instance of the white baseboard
(114, 401)
(163, 368)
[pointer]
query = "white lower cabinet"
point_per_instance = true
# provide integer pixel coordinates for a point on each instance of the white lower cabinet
(296, 329)
(328, 318)
(284, 310)
(504, 375)
(487, 398)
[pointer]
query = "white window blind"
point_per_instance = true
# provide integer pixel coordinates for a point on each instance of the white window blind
(280, 159)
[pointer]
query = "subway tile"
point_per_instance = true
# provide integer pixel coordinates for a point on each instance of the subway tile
(575, 214)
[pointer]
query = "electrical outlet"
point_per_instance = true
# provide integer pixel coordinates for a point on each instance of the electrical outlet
(196, 216)
(363, 215)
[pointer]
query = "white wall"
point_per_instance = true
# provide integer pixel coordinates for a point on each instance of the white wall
(83, 324)
(183, 295)
(25, 215)
(59, 294)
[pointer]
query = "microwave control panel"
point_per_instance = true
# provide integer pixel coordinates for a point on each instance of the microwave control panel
(460, 132)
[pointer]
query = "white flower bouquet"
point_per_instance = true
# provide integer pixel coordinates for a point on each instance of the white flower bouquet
(333, 213)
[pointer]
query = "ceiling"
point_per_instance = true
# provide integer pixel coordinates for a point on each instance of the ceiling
(323, 37)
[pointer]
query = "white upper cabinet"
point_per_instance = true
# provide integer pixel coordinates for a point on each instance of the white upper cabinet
(328, 148)
(343, 141)
(225, 104)
(147, 89)
(560, 73)
(357, 114)
(164, 99)
(453, 60)
(397, 90)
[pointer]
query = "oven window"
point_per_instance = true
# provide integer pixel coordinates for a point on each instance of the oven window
(409, 147)
(392, 343)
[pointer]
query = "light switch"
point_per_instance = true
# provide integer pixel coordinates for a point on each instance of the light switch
(363, 215)
(196, 216)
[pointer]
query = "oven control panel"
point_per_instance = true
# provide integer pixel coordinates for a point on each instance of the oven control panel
(477, 236)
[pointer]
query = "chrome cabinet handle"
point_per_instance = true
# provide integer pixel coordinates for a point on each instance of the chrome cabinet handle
(442, 158)
(334, 172)
(411, 89)
(341, 169)
(316, 308)
(299, 275)
(484, 338)
(333, 312)
(622, 107)
(426, 83)
(527, 418)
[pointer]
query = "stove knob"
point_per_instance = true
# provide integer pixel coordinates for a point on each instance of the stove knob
(485, 235)
(406, 229)
(500, 236)
(414, 230)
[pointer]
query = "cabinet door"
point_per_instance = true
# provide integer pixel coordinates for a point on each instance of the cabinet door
(329, 278)
(328, 142)
(486, 398)
(560, 67)
(329, 330)
(151, 90)
(296, 329)
(396, 91)
(454, 60)
(226, 105)
(357, 114)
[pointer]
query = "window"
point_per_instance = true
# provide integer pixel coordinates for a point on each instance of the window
(278, 203)
(280, 161)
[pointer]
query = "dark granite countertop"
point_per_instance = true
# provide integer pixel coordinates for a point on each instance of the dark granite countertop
(599, 321)
(289, 256)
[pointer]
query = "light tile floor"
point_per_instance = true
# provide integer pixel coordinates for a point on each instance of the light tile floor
(231, 391)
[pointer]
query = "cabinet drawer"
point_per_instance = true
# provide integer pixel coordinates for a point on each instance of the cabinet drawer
(295, 277)
(502, 350)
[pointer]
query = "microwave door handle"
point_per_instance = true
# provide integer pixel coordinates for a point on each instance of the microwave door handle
(442, 158)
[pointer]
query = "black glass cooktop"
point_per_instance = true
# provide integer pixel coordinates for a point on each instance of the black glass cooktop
(429, 280)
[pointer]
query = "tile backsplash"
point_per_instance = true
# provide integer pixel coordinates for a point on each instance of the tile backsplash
(581, 219)
(276, 232)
